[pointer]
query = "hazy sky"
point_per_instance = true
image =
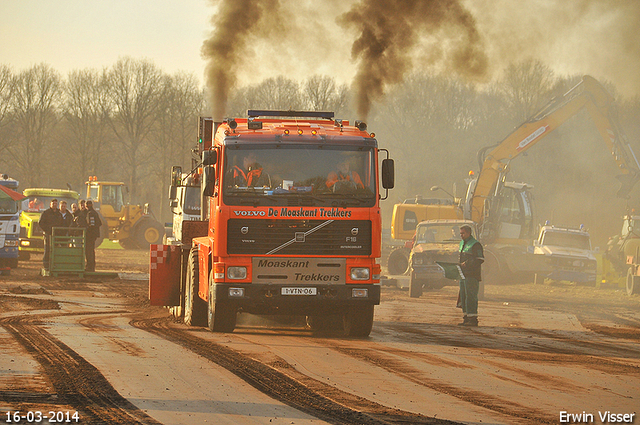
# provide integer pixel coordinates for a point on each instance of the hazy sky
(597, 37)
(77, 34)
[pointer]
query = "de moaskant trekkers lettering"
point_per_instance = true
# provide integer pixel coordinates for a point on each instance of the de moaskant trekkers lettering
(295, 212)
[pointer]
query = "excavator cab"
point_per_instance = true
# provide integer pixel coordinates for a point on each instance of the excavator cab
(510, 216)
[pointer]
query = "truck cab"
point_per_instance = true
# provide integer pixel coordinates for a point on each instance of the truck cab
(9, 222)
(564, 253)
(37, 200)
(184, 201)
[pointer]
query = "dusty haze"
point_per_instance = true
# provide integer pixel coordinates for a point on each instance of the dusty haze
(372, 44)
(389, 30)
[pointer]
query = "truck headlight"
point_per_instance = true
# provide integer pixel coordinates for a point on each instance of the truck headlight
(25, 243)
(237, 273)
(13, 242)
(360, 273)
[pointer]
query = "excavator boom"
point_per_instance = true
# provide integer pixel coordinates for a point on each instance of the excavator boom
(589, 94)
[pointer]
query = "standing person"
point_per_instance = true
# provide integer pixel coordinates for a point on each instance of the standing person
(93, 233)
(49, 219)
(80, 216)
(471, 259)
(67, 217)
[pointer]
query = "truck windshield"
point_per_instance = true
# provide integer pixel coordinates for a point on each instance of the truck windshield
(36, 203)
(567, 240)
(302, 175)
(438, 233)
(192, 200)
(8, 206)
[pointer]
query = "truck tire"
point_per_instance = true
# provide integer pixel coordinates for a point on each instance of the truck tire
(148, 231)
(325, 324)
(195, 309)
(128, 243)
(221, 316)
(481, 291)
(415, 286)
(398, 261)
(493, 270)
(633, 282)
(178, 311)
(358, 321)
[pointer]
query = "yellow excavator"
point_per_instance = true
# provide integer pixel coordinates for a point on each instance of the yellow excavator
(133, 226)
(504, 210)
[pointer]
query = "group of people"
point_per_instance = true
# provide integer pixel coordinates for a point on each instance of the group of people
(82, 215)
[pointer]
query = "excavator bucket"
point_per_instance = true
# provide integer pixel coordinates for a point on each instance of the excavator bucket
(627, 182)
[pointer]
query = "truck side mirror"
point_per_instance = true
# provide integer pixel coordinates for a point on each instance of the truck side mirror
(176, 175)
(173, 190)
(173, 203)
(208, 180)
(388, 174)
(209, 157)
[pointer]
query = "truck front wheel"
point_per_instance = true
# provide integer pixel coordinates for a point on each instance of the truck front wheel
(633, 282)
(398, 261)
(195, 309)
(358, 321)
(221, 316)
(415, 287)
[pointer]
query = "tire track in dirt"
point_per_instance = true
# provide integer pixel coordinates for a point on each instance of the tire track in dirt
(391, 363)
(280, 381)
(76, 382)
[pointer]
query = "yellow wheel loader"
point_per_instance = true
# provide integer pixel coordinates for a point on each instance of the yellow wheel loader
(133, 226)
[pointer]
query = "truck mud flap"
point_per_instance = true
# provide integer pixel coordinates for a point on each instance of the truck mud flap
(164, 275)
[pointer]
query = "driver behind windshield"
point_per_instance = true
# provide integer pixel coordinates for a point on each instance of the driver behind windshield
(344, 177)
(250, 174)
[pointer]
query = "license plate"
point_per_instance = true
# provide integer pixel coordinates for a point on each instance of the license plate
(299, 291)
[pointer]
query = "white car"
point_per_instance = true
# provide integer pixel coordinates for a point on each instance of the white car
(564, 254)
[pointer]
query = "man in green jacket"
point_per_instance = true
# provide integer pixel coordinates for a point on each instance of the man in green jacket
(471, 259)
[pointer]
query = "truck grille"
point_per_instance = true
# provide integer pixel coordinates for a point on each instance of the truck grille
(299, 237)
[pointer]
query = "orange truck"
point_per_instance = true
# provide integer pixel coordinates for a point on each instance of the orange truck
(291, 202)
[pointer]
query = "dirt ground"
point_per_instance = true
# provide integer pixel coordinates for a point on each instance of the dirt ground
(94, 346)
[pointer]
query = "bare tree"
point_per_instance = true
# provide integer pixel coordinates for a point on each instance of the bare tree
(134, 88)
(86, 117)
(527, 86)
(278, 93)
(6, 102)
(321, 93)
(175, 131)
(38, 92)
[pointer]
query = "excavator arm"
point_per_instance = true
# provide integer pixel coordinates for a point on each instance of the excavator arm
(587, 94)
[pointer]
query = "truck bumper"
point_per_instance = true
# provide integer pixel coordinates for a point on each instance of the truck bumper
(295, 299)
(33, 245)
(429, 272)
(571, 276)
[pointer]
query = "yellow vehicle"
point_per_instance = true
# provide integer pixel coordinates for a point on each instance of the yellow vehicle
(131, 225)
(504, 210)
(38, 200)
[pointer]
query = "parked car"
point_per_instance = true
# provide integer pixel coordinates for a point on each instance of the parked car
(564, 253)
(435, 240)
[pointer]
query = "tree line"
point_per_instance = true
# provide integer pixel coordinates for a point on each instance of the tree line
(131, 122)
